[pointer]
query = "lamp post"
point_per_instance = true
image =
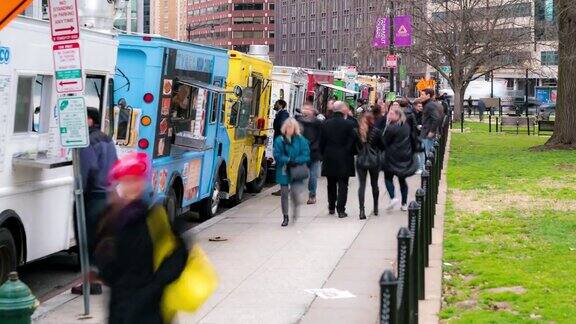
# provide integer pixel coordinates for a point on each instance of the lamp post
(391, 48)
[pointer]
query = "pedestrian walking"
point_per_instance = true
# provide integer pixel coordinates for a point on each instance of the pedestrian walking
(96, 160)
(292, 154)
(368, 160)
(312, 130)
(337, 145)
(125, 250)
(430, 119)
(281, 116)
(481, 109)
(399, 159)
(470, 106)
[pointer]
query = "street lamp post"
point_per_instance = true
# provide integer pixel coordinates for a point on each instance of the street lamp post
(391, 48)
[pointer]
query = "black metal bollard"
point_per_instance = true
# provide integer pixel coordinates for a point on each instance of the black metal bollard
(421, 200)
(429, 193)
(438, 155)
(462, 122)
(431, 188)
(418, 259)
(425, 180)
(404, 275)
(388, 298)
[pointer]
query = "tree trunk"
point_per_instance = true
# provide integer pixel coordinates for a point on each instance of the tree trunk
(458, 103)
(565, 129)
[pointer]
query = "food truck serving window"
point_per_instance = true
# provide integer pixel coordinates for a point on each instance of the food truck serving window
(188, 109)
(32, 104)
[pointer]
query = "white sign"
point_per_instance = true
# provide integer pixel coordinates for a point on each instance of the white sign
(73, 122)
(391, 61)
(64, 20)
(68, 68)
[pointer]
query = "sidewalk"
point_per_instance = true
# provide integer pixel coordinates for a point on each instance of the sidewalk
(264, 269)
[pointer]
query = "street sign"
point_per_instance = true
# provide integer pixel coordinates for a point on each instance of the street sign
(391, 61)
(68, 68)
(73, 122)
(402, 72)
(64, 20)
(10, 9)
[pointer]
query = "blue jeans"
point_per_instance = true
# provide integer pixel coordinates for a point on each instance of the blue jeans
(314, 174)
(421, 160)
(428, 144)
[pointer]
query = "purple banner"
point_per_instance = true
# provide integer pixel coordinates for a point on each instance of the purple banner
(381, 32)
(402, 32)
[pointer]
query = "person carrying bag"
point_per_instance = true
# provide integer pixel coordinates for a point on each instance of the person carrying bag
(368, 160)
(292, 154)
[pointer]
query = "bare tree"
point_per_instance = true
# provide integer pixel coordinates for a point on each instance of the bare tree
(473, 38)
(565, 128)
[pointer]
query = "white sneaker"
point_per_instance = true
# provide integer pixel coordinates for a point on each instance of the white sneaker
(392, 203)
(404, 208)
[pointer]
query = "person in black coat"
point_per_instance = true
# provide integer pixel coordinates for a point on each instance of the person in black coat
(430, 119)
(312, 131)
(369, 146)
(399, 160)
(281, 115)
(125, 251)
(337, 145)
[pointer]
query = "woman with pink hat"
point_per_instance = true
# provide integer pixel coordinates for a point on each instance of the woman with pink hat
(124, 252)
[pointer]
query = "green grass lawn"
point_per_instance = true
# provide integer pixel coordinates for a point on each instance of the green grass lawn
(510, 231)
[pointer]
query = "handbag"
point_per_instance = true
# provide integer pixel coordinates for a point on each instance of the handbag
(298, 172)
(198, 280)
(368, 158)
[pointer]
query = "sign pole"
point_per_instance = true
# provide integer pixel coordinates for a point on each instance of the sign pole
(81, 226)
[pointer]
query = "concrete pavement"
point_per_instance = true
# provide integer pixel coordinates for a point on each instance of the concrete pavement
(264, 269)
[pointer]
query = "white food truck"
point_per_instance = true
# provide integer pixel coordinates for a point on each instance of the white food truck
(289, 84)
(36, 178)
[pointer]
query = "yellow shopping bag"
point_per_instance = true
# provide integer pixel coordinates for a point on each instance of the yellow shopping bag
(198, 279)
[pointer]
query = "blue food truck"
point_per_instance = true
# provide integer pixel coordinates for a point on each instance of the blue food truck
(169, 98)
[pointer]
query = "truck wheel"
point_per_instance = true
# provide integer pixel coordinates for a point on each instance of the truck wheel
(240, 187)
(171, 205)
(7, 254)
(258, 183)
(209, 206)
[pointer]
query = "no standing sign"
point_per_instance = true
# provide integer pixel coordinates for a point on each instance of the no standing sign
(64, 20)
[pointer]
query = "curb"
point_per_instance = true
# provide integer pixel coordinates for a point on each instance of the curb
(52, 304)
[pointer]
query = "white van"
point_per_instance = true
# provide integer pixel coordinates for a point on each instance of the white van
(36, 178)
(289, 84)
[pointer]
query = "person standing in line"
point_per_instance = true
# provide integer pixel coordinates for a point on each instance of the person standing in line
(312, 129)
(399, 160)
(337, 145)
(470, 106)
(96, 160)
(369, 143)
(290, 150)
(430, 119)
(281, 116)
(417, 113)
(349, 115)
(412, 121)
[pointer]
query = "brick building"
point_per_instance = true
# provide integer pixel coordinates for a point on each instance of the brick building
(233, 24)
(328, 34)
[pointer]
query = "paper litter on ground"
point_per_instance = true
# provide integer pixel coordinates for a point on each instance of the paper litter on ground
(331, 293)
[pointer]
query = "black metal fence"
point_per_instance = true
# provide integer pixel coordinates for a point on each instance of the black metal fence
(400, 292)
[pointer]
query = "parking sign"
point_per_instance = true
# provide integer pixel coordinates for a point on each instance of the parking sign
(73, 122)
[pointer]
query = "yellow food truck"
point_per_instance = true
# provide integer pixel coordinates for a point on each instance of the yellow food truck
(247, 107)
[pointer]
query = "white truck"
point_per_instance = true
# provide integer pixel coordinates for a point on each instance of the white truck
(289, 84)
(36, 178)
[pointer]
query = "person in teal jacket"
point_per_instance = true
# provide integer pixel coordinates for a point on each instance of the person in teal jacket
(290, 149)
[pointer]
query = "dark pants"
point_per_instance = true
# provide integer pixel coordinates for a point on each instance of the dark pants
(337, 193)
(94, 205)
(362, 175)
(389, 180)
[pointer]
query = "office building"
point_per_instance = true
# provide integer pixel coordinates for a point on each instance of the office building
(232, 24)
(169, 18)
(329, 34)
